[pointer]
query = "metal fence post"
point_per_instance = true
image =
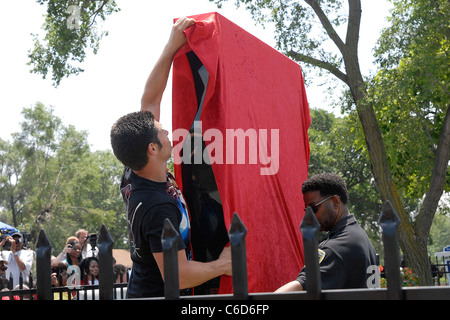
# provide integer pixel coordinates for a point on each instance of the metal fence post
(105, 261)
(43, 268)
(237, 235)
(169, 240)
(389, 223)
(309, 228)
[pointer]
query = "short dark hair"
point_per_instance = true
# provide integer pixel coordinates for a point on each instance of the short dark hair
(130, 137)
(327, 184)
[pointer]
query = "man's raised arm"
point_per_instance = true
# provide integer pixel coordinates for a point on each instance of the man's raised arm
(157, 80)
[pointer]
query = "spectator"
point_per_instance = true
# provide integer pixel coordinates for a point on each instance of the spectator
(120, 271)
(82, 235)
(89, 269)
(88, 249)
(59, 276)
(19, 259)
(73, 257)
(65, 252)
(5, 297)
(59, 279)
(3, 268)
(22, 296)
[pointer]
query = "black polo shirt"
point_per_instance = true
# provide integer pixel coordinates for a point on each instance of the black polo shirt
(344, 257)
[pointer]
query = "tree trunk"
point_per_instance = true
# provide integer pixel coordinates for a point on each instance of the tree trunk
(12, 203)
(413, 246)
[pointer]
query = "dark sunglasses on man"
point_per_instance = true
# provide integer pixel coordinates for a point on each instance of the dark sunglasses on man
(315, 207)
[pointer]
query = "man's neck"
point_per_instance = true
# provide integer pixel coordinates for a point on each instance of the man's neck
(153, 171)
(342, 214)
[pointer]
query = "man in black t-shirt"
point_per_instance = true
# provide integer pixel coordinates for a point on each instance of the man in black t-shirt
(150, 192)
(346, 255)
(148, 204)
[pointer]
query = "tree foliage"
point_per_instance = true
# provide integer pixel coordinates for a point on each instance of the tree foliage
(412, 98)
(70, 27)
(49, 179)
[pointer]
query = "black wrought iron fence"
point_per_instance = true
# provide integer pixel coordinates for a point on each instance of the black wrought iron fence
(440, 272)
(108, 290)
(389, 223)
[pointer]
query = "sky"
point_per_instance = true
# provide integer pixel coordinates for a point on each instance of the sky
(114, 78)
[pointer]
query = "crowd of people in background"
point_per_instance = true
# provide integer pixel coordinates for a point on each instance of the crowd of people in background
(76, 264)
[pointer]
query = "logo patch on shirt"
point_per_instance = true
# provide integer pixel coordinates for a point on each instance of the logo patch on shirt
(321, 255)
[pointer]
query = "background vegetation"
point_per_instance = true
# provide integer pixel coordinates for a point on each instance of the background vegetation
(51, 180)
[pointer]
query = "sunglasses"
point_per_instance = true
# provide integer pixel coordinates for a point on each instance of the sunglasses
(315, 207)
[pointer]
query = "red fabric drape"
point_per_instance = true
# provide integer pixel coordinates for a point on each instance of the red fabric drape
(255, 88)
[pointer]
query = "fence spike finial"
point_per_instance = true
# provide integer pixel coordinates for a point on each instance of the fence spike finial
(237, 229)
(104, 236)
(237, 233)
(169, 241)
(310, 225)
(309, 228)
(43, 269)
(106, 275)
(389, 222)
(42, 240)
(388, 219)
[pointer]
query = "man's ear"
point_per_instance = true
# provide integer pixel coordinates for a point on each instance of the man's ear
(336, 201)
(152, 148)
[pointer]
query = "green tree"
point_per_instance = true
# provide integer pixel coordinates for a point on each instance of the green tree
(51, 180)
(70, 28)
(411, 98)
(11, 169)
(305, 31)
(412, 88)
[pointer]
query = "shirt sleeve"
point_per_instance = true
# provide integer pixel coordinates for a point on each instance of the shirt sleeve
(27, 256)
(331, 267)
(7, 255)
(155, 225)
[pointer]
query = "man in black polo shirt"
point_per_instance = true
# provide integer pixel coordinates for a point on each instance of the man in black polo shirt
(346, 254)
(150, 192)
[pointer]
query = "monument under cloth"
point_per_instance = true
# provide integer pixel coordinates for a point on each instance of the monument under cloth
(240, 111)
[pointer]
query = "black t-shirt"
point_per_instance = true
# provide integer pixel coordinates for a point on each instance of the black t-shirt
(148, 204)
(344, 257)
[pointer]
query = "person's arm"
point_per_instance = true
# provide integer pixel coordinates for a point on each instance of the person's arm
(194, 273)
(60, 258)
(290, 286)
(157, 80)
(15, 253)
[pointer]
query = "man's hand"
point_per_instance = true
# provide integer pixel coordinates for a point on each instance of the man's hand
(177, 37)
(67, 249)
(290, 286)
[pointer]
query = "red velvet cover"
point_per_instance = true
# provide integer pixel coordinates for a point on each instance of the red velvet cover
(251, 87)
